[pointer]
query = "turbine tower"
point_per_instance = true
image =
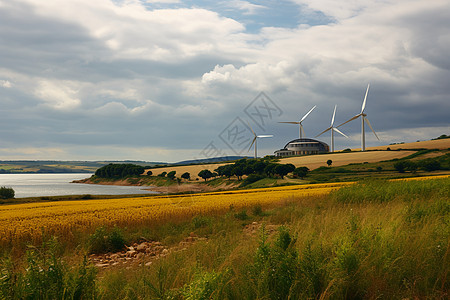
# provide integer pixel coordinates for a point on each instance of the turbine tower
(301, 131)
(363, 119)
(255, 140)
(333, 129)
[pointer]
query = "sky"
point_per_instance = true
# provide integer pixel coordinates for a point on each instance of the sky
(172, 80)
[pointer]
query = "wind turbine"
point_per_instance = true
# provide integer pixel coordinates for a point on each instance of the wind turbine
(301, 131)
(255, 139)
(363, 119)
(333, 129)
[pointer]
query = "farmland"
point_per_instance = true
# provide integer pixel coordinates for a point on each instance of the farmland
(311, 161)
(63, 218)
(367, 240)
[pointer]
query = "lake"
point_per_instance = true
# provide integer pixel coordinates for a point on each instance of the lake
(37, 185)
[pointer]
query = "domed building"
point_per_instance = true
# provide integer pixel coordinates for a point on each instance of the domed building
(303, 146)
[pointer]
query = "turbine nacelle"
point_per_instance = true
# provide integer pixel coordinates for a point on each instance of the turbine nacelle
(255, 139)
(301, 130)
(333, 129)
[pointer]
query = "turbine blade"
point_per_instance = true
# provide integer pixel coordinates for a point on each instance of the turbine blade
(368, 123)
(290, 122)
(251, 129)
(304, 117)
(264, 136)
(337, 130)
(355, 117)
(365, 98)
(323, 131)
(334, 113)
(251, 145)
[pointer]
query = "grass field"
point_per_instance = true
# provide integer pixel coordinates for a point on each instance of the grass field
(66, 218)
(434, 144)
(370, 240)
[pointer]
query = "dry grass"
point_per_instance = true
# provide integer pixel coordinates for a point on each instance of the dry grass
(341, 159)
(436, 144)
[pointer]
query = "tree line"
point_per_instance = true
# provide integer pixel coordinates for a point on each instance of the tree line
(117, 171)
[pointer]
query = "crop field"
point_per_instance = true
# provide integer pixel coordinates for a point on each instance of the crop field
(25, 223)
(373, 239)
(342, 159)
(65, 217)
(434, 144)
(310, 161)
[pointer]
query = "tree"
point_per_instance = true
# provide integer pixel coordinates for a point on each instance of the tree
(171, 175)
(119, 171)
(163, 174)
(400, 166)
(149, 173)
(281, 170)
(270, 169)
(186, 176)
(238, 170)
(329, 162)
(430, 165)
(300, 172)
(259, 166)
(205, 174)
(7, 193)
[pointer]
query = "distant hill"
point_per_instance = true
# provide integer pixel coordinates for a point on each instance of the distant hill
(210, 160)
(53, 166)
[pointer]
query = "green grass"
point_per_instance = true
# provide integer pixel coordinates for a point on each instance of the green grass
(372, 240)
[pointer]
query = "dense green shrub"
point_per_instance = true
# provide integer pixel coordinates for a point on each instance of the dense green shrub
(103, 240)
(119, 171)
(7, 192)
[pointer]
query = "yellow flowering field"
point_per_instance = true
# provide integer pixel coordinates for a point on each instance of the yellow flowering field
(26, 222)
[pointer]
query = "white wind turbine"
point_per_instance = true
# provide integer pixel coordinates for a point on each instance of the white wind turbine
(301, 131)
(333, 129)
(363, 119)
(255, 140)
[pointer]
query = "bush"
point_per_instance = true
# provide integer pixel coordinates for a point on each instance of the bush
(430, 165)
(119, 171)
(171, 175)
(241, 215)
(7, 193)
(46, 276)
(102, 241)
(257, 210)
(252, 179)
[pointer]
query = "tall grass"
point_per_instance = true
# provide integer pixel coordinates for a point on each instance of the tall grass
(373, 240)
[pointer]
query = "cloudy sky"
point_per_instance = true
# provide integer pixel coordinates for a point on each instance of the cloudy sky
(170, 80)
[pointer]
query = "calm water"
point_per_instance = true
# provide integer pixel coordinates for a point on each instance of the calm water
(36, 185)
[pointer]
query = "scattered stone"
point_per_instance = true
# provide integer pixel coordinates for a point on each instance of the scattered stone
(148, 264)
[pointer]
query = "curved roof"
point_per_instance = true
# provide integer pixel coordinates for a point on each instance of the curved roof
(307, 140)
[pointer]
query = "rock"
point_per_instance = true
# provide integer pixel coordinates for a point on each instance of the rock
(148, 264)
(140, 255)
(255, 223)
(101, 265)
(131, 253)
(141, 247)
(114, 256)
(165, 251)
